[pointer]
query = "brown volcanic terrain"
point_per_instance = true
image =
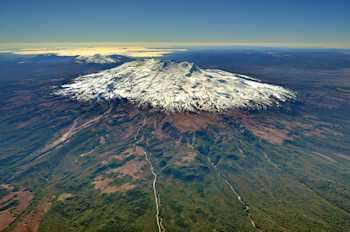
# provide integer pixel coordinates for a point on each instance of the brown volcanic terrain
(283, 169)
(9, 215)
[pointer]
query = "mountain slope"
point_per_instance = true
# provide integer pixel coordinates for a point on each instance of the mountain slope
(179, 87)
(96, 166)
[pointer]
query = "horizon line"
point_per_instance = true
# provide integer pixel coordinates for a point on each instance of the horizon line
(19, 45)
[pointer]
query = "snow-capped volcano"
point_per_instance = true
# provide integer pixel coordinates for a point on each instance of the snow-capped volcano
(173, 86)
(97, 59)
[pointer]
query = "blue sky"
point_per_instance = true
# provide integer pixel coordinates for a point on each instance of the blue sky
(219, 21)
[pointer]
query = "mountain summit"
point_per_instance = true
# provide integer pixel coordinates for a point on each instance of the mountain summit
(176, 87)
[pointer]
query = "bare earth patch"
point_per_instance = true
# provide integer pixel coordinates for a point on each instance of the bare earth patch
(191, 122)
(121, 188)
(130, 131)
(87, 153)
(102, 140)
(24, 124)
(104, 162)
(131, 168)
(136, 151)
(276, 130)
(64, 196)
(103, 185)
(186, 158)
(184, 122)
(190, 156)
(7, 186)
(268, 133)
(32, 219)
(324, 156)
(101, 182)
(86, 123)
(347, 157)
(7, 216)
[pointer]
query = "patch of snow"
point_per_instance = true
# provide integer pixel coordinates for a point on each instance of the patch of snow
(177, 87)
(97, 59)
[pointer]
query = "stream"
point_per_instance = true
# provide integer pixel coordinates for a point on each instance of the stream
(246, 208)
(159, 219)
(156, 198)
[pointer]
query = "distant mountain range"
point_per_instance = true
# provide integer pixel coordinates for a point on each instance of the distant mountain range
(96, 59)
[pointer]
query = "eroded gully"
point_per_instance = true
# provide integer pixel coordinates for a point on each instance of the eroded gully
(154, 184)
(245, 206)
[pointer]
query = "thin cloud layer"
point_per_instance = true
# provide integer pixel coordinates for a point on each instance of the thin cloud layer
(89, 51)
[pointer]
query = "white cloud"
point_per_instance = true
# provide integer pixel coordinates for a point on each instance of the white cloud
(89, 51)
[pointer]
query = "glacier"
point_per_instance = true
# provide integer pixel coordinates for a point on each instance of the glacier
(176, 87)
